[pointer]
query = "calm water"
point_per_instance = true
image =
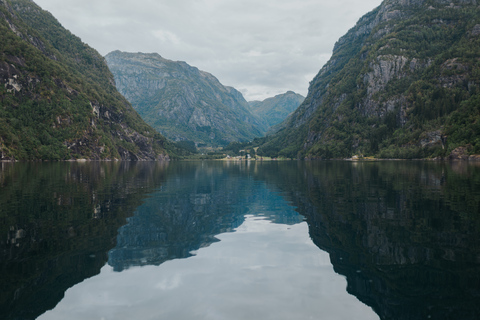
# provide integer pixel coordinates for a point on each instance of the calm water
(214, 240)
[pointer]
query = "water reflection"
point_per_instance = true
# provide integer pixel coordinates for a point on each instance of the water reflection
(57, 221)
(196, 203)
(244, 264)
(405, 235)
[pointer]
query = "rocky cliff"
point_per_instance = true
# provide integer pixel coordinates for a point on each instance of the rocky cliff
(403, 83)
(182, 102)
(57, 97)
(276, 109)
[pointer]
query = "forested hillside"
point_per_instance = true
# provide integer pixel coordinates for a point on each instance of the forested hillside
(403, 83)
(58, 100)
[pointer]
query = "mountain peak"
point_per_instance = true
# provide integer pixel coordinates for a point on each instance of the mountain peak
(276, 109)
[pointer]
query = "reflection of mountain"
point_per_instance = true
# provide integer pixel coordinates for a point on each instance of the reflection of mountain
(57, 221)
(194, 205)
(406, 235)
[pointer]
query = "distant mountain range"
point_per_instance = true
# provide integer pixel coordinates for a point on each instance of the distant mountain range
(403, 83)
(183, 102)
(57, 97)
(276, 109)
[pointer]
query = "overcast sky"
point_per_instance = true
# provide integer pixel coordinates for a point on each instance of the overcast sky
(260, 47)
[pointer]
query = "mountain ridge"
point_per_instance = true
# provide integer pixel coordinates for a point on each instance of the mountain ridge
(183, 102)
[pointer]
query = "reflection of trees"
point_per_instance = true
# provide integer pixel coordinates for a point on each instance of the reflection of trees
(57, 221)
(405, 234)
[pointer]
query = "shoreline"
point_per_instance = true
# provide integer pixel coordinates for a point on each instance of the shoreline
(471, 158)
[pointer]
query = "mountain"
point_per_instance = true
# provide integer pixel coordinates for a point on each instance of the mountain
(403, 83)
(182, 102)
(58, 100)
(276, 109)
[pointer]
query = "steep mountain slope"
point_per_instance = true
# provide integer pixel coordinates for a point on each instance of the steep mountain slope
(182, 102)
(57, 97)
(403, 83)
(276, 109)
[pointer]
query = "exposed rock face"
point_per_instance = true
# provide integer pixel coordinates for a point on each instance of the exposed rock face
(476, 30)
(406, 69)
(463, 153)
(433, 138)
(182, 102)
(57, 96)
(276, 109)
(384, 69)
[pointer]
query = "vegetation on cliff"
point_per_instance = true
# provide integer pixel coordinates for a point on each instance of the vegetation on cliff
(57, 97)
(403, 83)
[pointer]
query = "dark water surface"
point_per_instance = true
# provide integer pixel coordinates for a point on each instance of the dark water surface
(217, 240)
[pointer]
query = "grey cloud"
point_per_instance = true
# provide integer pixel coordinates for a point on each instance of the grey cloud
(261, 48)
